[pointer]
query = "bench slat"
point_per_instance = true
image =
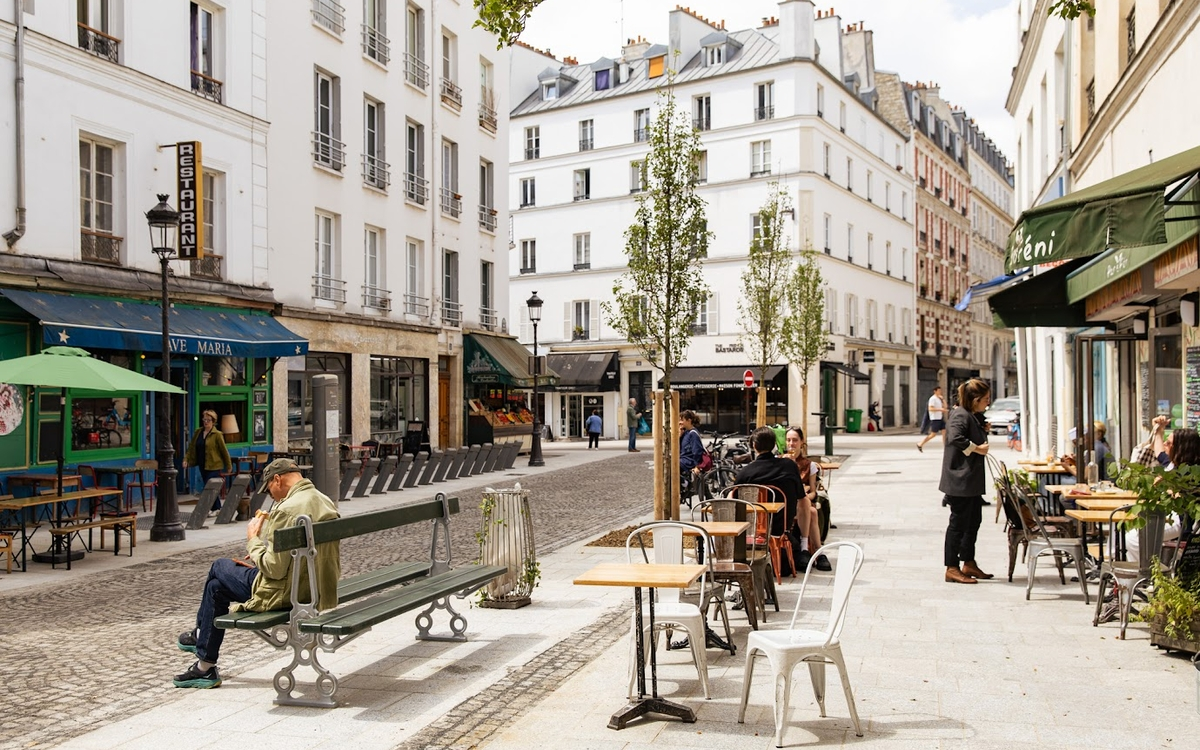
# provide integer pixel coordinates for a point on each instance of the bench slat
(358, 617)
(106, 523)
(365, 523)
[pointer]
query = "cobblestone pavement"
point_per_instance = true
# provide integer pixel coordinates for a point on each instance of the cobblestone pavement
(78, 655)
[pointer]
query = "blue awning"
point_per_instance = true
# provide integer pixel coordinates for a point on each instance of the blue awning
(115, 323)
(985, 289)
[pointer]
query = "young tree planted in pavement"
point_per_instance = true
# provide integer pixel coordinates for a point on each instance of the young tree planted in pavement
(656, 299)
(805, 333)
(764, 285)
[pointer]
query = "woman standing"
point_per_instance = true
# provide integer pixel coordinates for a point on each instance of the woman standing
(691, 450)
(207, 451)
(964, 479)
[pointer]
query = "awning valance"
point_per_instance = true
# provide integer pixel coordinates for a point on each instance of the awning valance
(585, 371)
(116, 323)
(845, 370)
(1127, 211)
(929, 363)
(1040, 300)
(702, 378)
(498, 359)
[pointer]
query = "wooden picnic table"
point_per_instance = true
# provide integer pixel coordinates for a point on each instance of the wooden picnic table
(52, 511)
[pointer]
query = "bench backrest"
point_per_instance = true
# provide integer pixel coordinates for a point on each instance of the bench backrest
(365, 523)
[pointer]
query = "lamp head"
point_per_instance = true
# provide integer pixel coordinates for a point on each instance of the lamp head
(534, 304)
(164, 226)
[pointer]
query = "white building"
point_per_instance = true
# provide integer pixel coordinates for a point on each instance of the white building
(387, 214)
(794, 101)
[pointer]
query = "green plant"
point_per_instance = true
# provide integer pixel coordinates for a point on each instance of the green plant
(1175, 601)
(1160, 491)
(1023, 479)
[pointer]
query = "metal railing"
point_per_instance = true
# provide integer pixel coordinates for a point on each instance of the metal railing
(99, 43)
(488, 318)
(702, 123)
(585, 144)
(375, 172)
(208, 267)
(330, 15)
(487, 218)
(328, 151)
(100, 247)
(641, 134)
(376, 297)
(764, 113)
(207, 86)
(416, 71)
(416, 188)
(451, 313)
(532, 153)
(760, 172)
(414, 304)
(451, 93)
(451, 203)
(327, 287)
(375, 45)
(487, 117)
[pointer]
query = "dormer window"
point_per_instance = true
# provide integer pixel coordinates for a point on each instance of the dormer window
(717, 48)
(714, 55)
(603, 79)
(657, 66)
(549, 91)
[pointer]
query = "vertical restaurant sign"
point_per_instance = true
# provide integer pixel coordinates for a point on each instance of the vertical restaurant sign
(190, 189)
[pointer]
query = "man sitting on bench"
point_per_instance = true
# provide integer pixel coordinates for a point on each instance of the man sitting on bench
(262, 580)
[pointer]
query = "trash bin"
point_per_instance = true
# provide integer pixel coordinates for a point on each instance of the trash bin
(506, 538)
(853, 420)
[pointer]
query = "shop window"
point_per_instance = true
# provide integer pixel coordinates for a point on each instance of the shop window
(398, 393)
(300, 373)
(231, 417)
(102, 422)
(222, 371)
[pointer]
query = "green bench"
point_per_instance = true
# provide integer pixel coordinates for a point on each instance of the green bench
(364, 600)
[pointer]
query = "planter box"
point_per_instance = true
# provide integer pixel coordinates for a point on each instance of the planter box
(1158, 637)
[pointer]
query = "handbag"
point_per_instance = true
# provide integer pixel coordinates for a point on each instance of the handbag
(643, 428)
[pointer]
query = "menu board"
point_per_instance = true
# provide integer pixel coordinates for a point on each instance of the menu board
(1188, 566)
(1191, 385)
(1144, 388)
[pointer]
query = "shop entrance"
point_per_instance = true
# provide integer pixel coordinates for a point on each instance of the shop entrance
(443, 404)
(571, 418)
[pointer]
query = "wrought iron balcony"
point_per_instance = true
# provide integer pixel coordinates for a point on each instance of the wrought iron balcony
(330, 15)
(451, 313)
(488, 318)
(416, 71)
(100, 247)
(208, 87)
(329, 288)
(375, 172)
(487, 117)
(641, 134)
(585, 144)
(376, 298)
(328, 151)
(375, 45)
(99, 43)
(702, 123)
(764, 113)
(451, 203)
(208, 267)
(416, 188)
(451, 93)
(487, 218)
(414, 304)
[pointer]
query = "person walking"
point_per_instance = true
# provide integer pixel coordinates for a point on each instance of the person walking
(632, 417)
(207, 452)
(593, 425)
(964, 480)
(936, 410)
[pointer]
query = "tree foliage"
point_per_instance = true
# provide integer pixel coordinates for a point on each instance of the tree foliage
(805, 334)
(1071, 9)
(505, 18)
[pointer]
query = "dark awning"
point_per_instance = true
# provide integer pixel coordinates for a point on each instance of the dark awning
(498, 359)
(845, 370)
(585, 371)
(1127, 211)
(118, 323)
(1040, 300)
(718, 377)
(928, 363)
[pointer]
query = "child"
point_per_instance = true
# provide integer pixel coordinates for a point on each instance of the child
(1014, 434)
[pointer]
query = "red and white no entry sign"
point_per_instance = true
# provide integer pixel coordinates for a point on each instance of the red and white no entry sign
(748, 378)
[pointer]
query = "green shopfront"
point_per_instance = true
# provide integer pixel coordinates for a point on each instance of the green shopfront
(499, 389)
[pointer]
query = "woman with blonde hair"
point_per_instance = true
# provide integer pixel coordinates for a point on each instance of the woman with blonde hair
(207, 451)
(964, 480)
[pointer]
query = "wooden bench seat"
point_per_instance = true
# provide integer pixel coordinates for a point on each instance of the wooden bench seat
(126, 524)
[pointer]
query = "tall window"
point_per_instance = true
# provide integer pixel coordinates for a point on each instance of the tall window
(820, 100)
(887, 258)
(451, 93)
(904, 264)
(641, 125)
(831, 310)
(1131, 34)
(415, 302)
(487, 294)
(702, 112)
(887, 196)
(451, 199)
(326, 284)
(328, 150)
(889, 321)
(852, 315)
(528, 256)
(416, 187)
(528, 192)
(828, 225)
(203, 58)
(416, 70)
(375, 41)
(375, 167)
(487, 96)
(849, 173)
(636, 176)
(764, 101)
(451, 308)
(825, 157)
(583, 250)
(581, 319)
(702, 167)
(586, 133)
(533, 142)
(842, 116)
(582, 184)
(97, 215)
(96, 24)
(209, 190)
(850, 242)
(374, 294)
(487, 195)
(760, 158)
(870, 186)
(756, 225)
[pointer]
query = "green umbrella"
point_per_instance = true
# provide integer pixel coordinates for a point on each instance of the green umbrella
(69, 367)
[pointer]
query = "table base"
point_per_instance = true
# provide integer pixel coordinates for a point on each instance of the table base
(648, 705)
(54, 558)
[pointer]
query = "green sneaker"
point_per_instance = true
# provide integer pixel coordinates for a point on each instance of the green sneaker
(187, 641)
(194, 678)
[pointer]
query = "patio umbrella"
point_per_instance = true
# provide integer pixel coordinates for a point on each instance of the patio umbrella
(69, 367)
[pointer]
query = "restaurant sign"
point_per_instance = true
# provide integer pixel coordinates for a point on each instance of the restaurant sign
(1114, 295)
(190, 186)
(1179, 267)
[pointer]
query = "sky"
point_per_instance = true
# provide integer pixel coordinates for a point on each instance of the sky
(967, 46)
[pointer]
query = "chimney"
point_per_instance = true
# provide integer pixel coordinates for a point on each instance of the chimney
(795, 30)
(634, 49)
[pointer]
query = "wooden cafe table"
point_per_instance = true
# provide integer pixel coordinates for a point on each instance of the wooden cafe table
(639, 576)
(50, 508)
(1098, 517)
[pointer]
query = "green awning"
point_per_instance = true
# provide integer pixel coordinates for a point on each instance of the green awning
(1039, 301)
(1127, 211)
(501, 360)
(1114, 264)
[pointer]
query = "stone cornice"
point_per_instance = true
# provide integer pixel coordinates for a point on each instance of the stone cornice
(330, 316)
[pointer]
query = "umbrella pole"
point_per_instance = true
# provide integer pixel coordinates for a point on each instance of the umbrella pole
(57, 553)
(62, 420)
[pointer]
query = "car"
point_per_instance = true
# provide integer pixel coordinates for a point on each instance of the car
(1002, 413)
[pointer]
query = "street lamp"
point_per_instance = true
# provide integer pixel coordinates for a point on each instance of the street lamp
(164, 225)
(534, 304)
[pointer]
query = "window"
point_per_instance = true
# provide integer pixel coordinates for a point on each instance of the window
(585, 135)
(831, 310)
(842, 116)
(451, 93)
(583, 251)
(549, 90)
(415, 302)
(487, 195)
(528, 256)
(820, 100)
(756, 228)
(487, 295)
(760, 158)
(451, 197)
(487, 96)
(764, 101)
(851, 314)
(828, 225)
(209, 267)
(701, 167)
(870, 186)
(870, 250)
(375, 168)
(656, 66)
(581, 320)
(872, 318)
(849, 174)
(704, 317)
(889, 321)
(533, 142)
(641, 125)
(904, 204)
(416, 187)
(1131, 34)
(636, 176)
(906, 324)
(825, 156)
(97, 23)
(887, 258)
(899, 158)
(97, 214)
(375, 294)
(326, 284)
(374, 31)
(528, 192)
(416, 70)
(850, 242)
(209, 190)
(603, 80)
(714, 55)
(702, 112)
(451, 308)
(582, 184)
(887, 196)
(203, 57)
(328, 150)
(904, 264)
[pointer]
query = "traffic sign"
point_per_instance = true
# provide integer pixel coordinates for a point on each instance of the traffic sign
(748, 378)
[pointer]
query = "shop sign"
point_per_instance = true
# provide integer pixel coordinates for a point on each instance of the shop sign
(1117, 293)
(485, 378)
(729, 348)
(481, 363)
(1177, 262)
(189, 185)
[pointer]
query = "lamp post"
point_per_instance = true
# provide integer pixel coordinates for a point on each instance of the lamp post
(164, 225)
(534, 304)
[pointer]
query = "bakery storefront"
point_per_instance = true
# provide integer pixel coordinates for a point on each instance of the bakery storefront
(499, 390)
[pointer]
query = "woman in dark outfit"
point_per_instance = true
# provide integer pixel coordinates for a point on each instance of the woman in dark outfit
(964, 479)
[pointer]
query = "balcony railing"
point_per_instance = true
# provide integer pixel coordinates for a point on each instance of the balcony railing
(585, 144)
(764, 113)
(487, 218)
(488, 318)
(330, 15)
(416, 71)
(327, 287)
(451, 203)
(207, 86)
(414, 304)
(328, 151)
(375, 45)
(532, 153)
(416, 188)
(451, 313)
(100, 247)
(640, 134)
(487, 117)
(762, 171)
(451, 93)
(376, 298)
(99, 43)
(702, 123)
(583, 266)
(208, 267)
(375, 172)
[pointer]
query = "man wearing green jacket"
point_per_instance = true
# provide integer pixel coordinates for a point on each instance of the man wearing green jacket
(261, 581)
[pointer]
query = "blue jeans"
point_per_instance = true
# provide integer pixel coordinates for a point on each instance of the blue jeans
(227, 582)
(632, 438)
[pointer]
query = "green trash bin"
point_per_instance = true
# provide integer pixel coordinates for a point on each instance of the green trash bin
(853, 420)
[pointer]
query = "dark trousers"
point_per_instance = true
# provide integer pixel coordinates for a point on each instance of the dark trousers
(205, 475)
(966, 513)
(227, 582)
(593, 439)
(632, 438)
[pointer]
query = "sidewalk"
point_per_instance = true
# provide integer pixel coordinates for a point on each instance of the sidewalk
(933, 665)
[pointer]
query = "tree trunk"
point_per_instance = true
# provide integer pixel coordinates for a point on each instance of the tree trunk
(760, 415)
(672, 470)
(804, 413)
(660, 489)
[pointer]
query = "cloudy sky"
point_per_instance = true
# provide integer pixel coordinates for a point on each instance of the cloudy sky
(967, 46)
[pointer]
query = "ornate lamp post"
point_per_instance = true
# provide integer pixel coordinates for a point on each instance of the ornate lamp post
(164, 226)
(534, 304)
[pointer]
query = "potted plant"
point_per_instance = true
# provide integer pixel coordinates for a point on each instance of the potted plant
(578, 333)
(1160, 492)
(1173, 612)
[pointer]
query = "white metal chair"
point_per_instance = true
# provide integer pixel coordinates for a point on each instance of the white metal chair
(669, 612)
(1128, 577)
(786, 649)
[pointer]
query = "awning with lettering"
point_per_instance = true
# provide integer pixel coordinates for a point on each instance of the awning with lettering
(703, 378)
(1040, 300)
(501, 360)
(1129, 211)
(127, 324)
(585, 371)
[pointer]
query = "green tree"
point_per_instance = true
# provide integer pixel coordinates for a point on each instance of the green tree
(805, 333)
(656, 299)
(764, 286)
(505, 18)
(1071, 9)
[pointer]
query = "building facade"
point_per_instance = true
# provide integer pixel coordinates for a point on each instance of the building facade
(794, 102)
